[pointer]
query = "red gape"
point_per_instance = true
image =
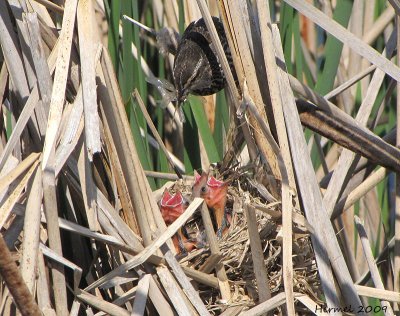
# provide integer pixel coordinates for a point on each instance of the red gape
(214, 192)
(172, 206)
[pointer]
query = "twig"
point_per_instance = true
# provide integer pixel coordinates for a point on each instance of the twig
(144, 27)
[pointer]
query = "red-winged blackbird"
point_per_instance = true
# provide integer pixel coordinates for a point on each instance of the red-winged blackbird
(197, 69)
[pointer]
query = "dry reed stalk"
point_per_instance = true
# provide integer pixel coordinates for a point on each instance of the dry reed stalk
(378, 293)
(151, 248)
(367, 185)
(288, 179)
(267, 306)
(142, 291)
(158, 299)
(371, 264)
(39, 60)
(183, 280)
(356, 27)
(311, 198)
(214, 248)
(59, 85)
(155, 132)
(102, 305)
(15, 66)
(51, 211)
(43, 290)
(181, 303)
(30, 245)
(49, 188)
(256, 88)
(258, 255)
(125, 148)
(347, 157)
(88, 41)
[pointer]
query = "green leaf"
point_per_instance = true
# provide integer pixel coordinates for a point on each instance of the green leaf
(333, 49)
(221, 124)
(204, 129)
(113, 14)
(191, 141)
(286, 31)
(297, 47)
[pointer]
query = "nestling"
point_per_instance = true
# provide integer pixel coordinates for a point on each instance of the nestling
(214, 193)
(173, 206)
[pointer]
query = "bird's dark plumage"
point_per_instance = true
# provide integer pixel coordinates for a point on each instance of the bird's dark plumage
(197, 69)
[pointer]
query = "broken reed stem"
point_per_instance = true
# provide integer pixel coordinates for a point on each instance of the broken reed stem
(182, 279)
(257, 254)
(53, 231)
(16, 285)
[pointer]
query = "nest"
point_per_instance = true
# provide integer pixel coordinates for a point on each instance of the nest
(235, 251)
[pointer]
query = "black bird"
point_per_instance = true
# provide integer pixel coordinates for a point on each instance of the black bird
(197, 69)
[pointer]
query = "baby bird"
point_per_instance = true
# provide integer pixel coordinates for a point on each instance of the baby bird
(214, 193)
(172, 206)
